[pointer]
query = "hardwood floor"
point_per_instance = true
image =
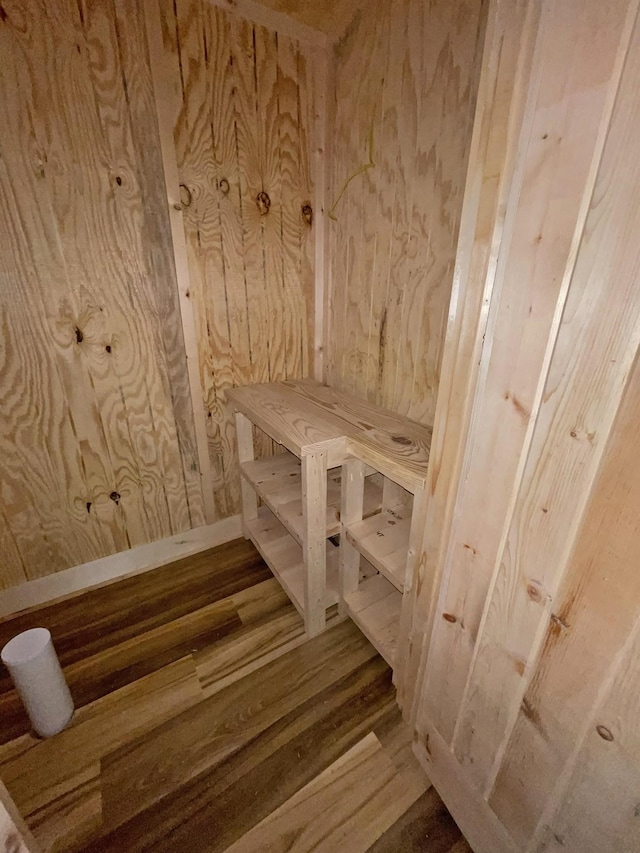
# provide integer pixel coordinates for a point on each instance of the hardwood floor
(206, 722)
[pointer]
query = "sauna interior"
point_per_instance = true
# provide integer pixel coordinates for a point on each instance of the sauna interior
(319, 407)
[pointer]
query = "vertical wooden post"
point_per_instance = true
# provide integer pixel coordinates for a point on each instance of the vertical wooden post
(244, 431)
(406, 633)
(393, 495)
(314, 514)
(351, 512)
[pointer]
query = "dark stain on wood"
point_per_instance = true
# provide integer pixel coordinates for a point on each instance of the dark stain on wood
(263, 202)
(383, 346)
(3, 14)
(307, 213)
(79, 335)
(532, 714)
(604, 732)
(471, 548)
(449, 617)
(517, 405)
(557, 620)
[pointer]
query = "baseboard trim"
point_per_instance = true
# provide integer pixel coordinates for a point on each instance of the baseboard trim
(477, 822)
(117, 566)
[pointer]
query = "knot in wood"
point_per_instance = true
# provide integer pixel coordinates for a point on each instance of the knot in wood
(307, 213)
(115, 497)
(401, 439)
(264, 203)
(185, 195)
(224, 186)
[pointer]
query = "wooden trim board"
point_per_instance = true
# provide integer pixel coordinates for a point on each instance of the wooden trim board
(165, 109)
(117, 566)
(477, 822)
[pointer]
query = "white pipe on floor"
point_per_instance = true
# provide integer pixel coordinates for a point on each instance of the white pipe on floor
(34, 667)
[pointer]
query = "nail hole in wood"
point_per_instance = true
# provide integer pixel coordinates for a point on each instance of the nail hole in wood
(224, 186)
(307, 214)
(119, 181)
(115, 497)
(88, 506)
(79, 335)
(108, 347)
(264, 203)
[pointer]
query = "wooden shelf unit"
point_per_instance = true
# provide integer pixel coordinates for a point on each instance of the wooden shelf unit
(303, 490)
(383, 539)
(278, 482)
(375, 608)
(389, 540)
(283, 555)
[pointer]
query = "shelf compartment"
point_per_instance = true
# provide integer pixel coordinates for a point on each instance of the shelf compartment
(375, 608)
(283, 555)
(383, 539)
(278, 482)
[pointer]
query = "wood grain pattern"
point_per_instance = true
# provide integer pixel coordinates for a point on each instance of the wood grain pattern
(502, 96)
(98, 444)
(121, 625)
(291, 712)
(351, 803)
(404, 101)
(14, 835)
(525, 721)
(242, 142)
(571, 104)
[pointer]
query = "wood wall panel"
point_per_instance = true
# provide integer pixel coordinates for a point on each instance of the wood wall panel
(528, 701)
(569, 108)
(98, 449)
(406, 79)
(243, 127)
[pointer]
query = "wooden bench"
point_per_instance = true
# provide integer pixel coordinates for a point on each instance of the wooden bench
(324, 486)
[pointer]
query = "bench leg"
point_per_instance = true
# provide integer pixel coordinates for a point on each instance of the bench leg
(314, 512)
(352, 501)
(246, 453)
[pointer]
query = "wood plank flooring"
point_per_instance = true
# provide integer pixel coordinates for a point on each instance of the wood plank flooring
(207, 722)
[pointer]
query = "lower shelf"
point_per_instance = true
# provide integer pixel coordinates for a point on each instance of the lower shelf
(384, 540)
(278, 481)
(375, 608)
(283, 555)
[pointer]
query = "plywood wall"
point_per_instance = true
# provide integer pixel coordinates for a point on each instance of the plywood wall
(244, 116)
(97, 447)
(525, 713)
(404, 96)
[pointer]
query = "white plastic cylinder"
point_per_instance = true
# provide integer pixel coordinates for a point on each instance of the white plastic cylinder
(38, 677)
